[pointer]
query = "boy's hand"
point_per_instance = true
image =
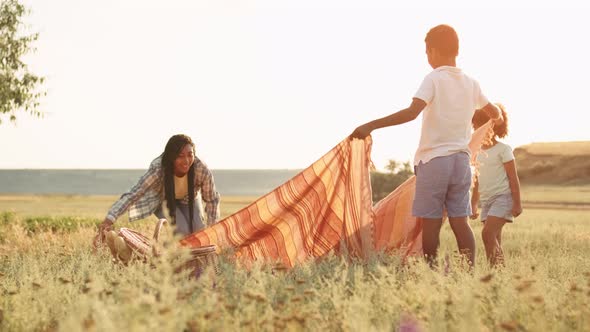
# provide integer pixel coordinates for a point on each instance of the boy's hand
(361, 132)
(516, 209)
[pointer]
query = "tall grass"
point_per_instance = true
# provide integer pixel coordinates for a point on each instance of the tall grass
(50, 280)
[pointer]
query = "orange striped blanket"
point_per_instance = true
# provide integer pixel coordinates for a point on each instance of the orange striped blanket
(326, 207)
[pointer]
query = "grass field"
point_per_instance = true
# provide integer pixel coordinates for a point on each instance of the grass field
(86, 206)
(556, 197)
(50, 280)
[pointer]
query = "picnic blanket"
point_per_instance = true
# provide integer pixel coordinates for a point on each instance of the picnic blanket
(326, 207)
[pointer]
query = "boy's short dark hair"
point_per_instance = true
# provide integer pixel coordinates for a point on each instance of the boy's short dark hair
(443, 38)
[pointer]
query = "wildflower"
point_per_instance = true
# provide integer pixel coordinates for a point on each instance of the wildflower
(297, 299)
(164, 310)
(526, 284)
(510, 325)
(309, 292)
(299, 318)
(408, 324)
(192, 326)
(250, 295)
(64, 280)
(486, 278)
(88, 323)
(279, 267)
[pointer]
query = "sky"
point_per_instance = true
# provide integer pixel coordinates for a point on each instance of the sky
(276, 84)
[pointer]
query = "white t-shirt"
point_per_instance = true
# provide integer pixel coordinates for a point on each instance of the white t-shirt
(493, 179)
(451, 100)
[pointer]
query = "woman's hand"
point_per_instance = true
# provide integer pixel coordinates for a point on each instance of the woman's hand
(99, 239)
(106, 225)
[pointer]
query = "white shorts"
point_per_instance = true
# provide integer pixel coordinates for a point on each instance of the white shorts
(498, 206)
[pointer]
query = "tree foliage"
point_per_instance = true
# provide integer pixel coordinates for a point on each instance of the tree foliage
(19, 88)
(384, 183)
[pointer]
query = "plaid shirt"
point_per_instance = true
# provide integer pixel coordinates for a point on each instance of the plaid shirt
(148, 194)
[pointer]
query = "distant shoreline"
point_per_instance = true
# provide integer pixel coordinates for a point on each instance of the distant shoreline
(115, 182)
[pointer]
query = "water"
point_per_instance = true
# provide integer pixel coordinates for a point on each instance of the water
(115, 182)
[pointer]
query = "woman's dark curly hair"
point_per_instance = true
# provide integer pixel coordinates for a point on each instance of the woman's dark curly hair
(480, 118)
(175, 144)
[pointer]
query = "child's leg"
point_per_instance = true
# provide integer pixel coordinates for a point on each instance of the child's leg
(500, 255)
(432, 180)
(430, 238)
(491, 234)
(458, 205)
(465, 238)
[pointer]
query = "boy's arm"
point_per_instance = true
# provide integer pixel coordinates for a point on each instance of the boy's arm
(494, 113)
(403, 116)
(475, 199)
(514, 183)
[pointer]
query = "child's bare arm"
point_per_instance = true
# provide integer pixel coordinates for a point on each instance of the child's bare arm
(494, 113)
(475, 200)
(403, 116)
(514, 183)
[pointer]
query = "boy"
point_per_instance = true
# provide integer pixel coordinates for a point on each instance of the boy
(449, 99)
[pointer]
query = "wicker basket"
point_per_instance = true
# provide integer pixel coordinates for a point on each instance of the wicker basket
(127, 244)
(201, 258)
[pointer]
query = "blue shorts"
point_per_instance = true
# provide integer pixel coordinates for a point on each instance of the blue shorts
(443, 183)
(498, 206)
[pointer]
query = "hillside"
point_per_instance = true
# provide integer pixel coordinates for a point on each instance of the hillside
(556, 163)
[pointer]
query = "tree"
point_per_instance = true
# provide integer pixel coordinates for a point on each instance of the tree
(19, 89)
(392, 165)
(405, 170)
(384, 183)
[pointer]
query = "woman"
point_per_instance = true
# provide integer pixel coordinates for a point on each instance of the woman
(176, 177)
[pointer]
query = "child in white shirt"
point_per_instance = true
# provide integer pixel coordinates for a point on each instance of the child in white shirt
(447, 98)
(497, 187)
